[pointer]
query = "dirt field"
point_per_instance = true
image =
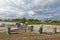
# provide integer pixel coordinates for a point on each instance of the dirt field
(29, 36)
(32, 36)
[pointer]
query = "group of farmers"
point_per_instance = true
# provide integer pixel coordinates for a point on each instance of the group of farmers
(22, 25)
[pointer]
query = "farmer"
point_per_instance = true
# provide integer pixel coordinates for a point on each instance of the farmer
(21, 25)
(18, 24)
(26, 26)
(41, 29)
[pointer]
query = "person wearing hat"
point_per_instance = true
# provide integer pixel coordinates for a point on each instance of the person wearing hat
(26, 26)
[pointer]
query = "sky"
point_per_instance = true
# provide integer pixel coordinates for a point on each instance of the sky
(37, 9)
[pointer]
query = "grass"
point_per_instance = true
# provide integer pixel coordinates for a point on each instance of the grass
(29, 36)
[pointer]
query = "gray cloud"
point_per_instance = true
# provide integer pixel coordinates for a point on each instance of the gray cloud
(39, 9)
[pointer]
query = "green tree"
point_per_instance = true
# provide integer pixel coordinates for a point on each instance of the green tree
(23, 19)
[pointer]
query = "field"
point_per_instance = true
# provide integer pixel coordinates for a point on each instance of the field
(32, 35)
(29, 36)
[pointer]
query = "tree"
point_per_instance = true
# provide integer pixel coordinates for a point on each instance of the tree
(23, 19)
(0, 19)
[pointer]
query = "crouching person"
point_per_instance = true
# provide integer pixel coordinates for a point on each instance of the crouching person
(18, 25)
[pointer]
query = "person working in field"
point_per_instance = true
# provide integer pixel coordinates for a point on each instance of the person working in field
(26, 26)
(18, 24)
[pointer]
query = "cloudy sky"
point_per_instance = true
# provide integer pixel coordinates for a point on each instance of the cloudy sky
(37, 9)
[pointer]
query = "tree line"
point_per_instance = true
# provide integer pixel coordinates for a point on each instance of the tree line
(32, 21)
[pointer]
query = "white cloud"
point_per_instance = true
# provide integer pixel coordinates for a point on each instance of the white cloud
(21, 8)
(20, 14)
(31, 13)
